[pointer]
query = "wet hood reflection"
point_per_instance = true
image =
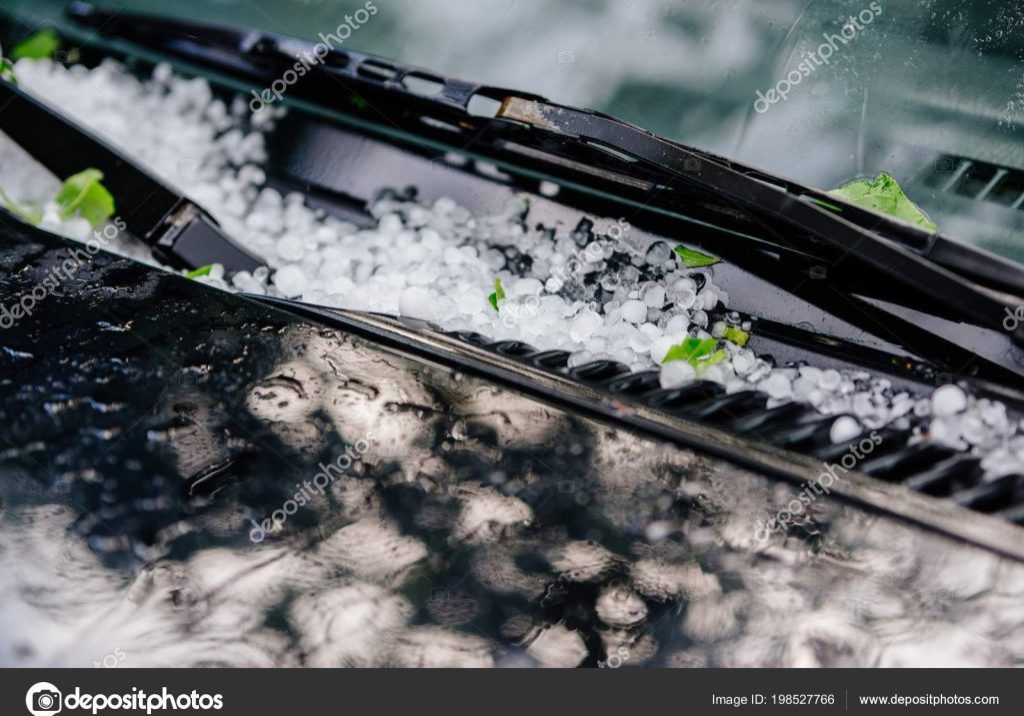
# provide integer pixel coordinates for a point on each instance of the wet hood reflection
(221, 484)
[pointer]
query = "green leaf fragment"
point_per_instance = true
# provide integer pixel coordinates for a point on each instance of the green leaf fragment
(884, 195)
(691, 350)
(499, 294)
(828, 205)
(701, 353)
(32, 216)
(713, 359)
(694, 259)
(7, 70)
(41, 45)
(201, 271)
(736, 335)
(84, 193)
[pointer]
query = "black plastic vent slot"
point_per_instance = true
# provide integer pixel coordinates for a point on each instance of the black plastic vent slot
(883, 441)
(474, 338)
(959, 472)
(765, 421)
(600, 371)
(805, 437)
(672, 399)
(551, 360)
(726, 407)
(516, 349)
(976, 180)
(371, 69)
(1014, 515)
(906, 461)
(1008, 190)
(1000, 494)
(636, 384)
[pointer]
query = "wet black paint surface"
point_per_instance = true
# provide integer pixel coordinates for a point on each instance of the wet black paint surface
(154, 430)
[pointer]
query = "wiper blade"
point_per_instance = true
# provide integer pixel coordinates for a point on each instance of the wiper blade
(178, 231)
(965, 260)
(902, 262)
(859, 246)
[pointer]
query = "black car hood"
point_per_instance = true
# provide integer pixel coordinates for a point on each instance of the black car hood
(154, 431)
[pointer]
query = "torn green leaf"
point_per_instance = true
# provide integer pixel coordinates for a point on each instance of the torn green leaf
(84, 193)
(694, 259)
(884, 195)
(498, 295)
(42, 45)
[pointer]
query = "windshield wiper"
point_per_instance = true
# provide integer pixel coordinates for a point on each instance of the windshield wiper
(928, 264)
(858, 246)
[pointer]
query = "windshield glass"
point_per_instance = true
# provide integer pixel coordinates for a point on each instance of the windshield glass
(821, 92)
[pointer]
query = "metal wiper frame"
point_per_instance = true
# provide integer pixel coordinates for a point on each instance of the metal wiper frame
(178, 230)
(967, 282)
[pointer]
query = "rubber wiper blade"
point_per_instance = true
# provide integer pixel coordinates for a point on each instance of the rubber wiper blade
(178, 231)
(859, 247)
(775, 202)
(968, 261)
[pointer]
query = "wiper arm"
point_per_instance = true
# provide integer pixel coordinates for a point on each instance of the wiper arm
(896, 257)
(964, 281)
(178, 231)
